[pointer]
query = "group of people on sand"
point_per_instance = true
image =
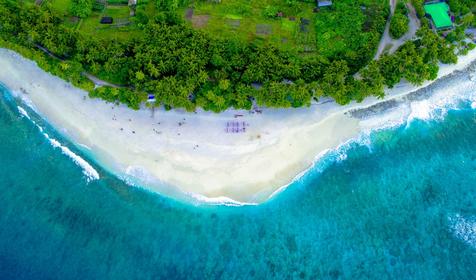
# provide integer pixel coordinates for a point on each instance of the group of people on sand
(156, 131)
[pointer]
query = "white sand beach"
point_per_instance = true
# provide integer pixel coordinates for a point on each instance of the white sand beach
(174, 152)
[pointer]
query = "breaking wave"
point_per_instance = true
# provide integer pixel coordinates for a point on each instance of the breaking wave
(432, 103)
(426, 104)
(89, 171)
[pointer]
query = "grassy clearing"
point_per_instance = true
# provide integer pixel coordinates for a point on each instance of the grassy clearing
(62, 6)
(350, 30)
(122, 28)
(254, 25)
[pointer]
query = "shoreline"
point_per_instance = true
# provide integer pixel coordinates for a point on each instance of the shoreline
(183, 154)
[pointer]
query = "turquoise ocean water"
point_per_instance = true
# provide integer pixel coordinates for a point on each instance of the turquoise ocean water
(403, 206)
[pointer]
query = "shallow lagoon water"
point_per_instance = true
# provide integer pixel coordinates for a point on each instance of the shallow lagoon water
(402, 205)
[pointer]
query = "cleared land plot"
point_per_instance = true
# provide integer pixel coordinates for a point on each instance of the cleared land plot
(61, 6)
(247, 20)
(351, 30)
(200, 21)
(264, 29)
(233, 23)
(123, 26)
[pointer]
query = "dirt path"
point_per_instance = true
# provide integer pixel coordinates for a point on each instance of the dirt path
(386, 39)
(414, 25)
(97, 82)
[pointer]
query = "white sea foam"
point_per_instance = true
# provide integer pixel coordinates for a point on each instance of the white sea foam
(299, 176)
(390, 119)
(421, 110)
(27, 101)
(341, 156)
(464, 229)
(339, 153)
(136, 171)
(448, 97)
(49, 90)
(221, 200)
(23, 112)
(434, 108)
(89, 171)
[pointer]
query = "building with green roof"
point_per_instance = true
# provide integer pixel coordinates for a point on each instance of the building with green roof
(439, 13)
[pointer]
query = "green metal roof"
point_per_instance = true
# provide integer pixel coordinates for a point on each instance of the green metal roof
(439, 14)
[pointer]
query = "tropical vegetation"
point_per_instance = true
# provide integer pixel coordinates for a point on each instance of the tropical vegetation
(160, 53)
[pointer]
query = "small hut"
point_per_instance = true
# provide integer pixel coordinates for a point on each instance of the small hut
(439, 13)
(324, 3)
(151, 98)
(106, 20)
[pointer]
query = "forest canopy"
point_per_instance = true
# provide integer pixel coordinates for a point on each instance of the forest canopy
(189, 68)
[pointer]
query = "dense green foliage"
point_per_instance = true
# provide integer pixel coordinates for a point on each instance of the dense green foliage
(418, 5)
(458, 7)
(462, 6)
(170, 5)
(187, 68)
(398, 26)
(70, 71)
(123, 95)
(82, 8)
(350, 31)
(399, 22)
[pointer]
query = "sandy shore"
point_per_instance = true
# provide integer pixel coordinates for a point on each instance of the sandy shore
(177, 153)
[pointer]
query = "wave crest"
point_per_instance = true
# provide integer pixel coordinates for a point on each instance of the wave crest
(221, 200)
(89, 171)
(23, 112)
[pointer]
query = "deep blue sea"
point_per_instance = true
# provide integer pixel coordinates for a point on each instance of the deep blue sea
(403, 206)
